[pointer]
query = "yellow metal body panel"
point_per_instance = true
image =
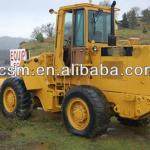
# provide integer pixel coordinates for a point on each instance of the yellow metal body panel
(128, 95)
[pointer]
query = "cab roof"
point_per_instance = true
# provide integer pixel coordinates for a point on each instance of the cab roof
(83, 5)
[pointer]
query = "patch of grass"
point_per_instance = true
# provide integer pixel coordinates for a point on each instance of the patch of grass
(45, 131)
(37, 48)
(145, 41)
(136, 33)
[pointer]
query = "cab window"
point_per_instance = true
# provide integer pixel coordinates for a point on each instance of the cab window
(79, 28)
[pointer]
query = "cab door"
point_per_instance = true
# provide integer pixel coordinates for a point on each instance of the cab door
(78, 45)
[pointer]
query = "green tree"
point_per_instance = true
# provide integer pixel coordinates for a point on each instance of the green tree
(132, 18)
(137, 11)
(37, 34)
(145, 30)
(125, 22)
(48, 29)
(146, 15)
(39, 37)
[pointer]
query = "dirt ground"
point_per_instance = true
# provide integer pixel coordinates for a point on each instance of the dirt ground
(45, 131)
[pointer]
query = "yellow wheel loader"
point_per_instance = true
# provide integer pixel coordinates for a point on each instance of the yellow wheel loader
(85, 34)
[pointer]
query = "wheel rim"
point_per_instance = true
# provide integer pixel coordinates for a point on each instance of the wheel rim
(9, 100)
(78, 114)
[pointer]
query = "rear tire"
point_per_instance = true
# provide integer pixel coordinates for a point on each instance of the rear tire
(20, 102)
(95, 105)
(134, 123)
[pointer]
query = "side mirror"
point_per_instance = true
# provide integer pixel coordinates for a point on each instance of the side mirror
(112, 40)
(52, 11)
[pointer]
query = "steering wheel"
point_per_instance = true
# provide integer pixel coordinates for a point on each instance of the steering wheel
(67, 43)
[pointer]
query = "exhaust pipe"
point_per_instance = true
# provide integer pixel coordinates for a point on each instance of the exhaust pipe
(113, 18)
(112, 37)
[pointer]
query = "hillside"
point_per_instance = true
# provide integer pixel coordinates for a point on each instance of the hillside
(7, 43)
(4, 57)
(48, 45)
(128, 33)
(10, 42)
(37, 48)
(125, 33)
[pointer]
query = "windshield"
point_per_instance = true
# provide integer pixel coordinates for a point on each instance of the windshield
(99, 24)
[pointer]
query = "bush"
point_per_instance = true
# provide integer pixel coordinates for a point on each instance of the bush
(125, 22)
(39, 37)
(145, 30)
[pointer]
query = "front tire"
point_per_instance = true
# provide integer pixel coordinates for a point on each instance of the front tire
(15, 99)
(85, 111)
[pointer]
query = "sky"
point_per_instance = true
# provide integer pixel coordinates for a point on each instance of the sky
(18, 18)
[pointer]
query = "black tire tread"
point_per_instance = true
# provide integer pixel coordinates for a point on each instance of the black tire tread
(23, 109)
(100, 106)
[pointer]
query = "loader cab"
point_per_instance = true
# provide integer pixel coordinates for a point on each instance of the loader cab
(77, 27)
